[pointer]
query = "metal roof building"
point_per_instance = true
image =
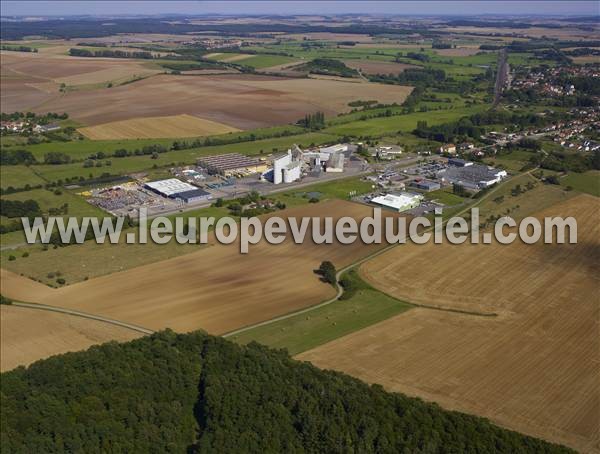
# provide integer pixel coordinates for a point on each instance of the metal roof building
(401, 202)
(177, 189)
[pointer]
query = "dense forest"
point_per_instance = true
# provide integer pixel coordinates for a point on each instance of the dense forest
(197, 393)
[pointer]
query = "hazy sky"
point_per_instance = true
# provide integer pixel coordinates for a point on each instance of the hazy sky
(32, 8)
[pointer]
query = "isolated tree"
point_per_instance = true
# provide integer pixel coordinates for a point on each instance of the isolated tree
(327, 271)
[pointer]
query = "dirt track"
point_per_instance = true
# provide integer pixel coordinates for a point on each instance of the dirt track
(535, 368)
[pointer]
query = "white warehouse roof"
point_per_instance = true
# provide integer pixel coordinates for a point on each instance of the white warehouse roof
(170, 186)
(398, 202)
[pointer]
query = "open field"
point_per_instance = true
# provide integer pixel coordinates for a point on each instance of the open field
(242, 101)
(31, 334)
(533, 368)
(31, 79)
(156, 127)
(584, 182)
(378, 67)
(215, 288)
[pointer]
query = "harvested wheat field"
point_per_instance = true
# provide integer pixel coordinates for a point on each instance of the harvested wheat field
(156, 127)
(216, 288)
(31, 334)
(534, 368)
(242, 101)
(378, 67)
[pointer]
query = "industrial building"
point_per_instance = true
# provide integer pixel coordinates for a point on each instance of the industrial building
(474, 176)
(457, 162)
(335, 163)
(400, 202)
(231, 164)
(286, 169)
(177, 189)
(426, 185)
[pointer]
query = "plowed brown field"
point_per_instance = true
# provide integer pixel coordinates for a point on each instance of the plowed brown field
(534, 368)
(241, 101)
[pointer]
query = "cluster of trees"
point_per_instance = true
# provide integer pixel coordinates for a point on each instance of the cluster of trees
(16, 157)
(327, 272)
(18, 48)
(197, 393)
(40, 119)
(108, 53)
(423, 77)
(17, 208)
(416, 56)
(261, 205)
(565, 161)
(440, 45)
(448, 132)
(56, 158)
(313, 121)
(329, 67)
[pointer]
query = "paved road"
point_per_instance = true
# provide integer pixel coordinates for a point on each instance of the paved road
(501, 76)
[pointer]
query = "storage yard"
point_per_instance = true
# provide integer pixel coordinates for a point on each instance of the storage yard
(538, 355)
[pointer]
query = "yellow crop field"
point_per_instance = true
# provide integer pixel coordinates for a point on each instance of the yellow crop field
(156, 127)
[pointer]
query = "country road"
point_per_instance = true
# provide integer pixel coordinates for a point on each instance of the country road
(99, 318)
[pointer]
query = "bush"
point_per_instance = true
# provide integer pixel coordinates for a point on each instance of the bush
(61, 281)
(11, 258)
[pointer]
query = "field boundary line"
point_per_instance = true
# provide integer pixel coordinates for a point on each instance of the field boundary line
(75, 313)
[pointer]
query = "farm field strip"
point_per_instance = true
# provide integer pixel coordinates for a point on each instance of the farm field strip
(175, 126)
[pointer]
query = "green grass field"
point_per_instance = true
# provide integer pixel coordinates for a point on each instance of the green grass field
(19, 176)
(445, 197)
(80, 149)
(48, 199)
(588, 182)
(377, 127)
(266, 61)
(303, 332)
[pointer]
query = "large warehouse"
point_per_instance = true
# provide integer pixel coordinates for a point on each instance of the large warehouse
(471, 176)
(401, 202)
(177, 189)
(231, 164)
